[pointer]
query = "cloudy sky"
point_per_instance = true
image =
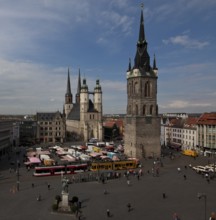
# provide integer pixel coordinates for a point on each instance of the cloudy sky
(40, 40)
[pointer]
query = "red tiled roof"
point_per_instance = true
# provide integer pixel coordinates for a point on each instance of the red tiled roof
(191, 121)
(110, 124)
(207, 119)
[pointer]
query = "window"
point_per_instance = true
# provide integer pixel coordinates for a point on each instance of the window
(136, 88)
(136, 109)
(151, 109)
(144, 109)
(147, 89)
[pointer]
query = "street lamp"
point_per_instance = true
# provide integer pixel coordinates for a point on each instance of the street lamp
(18, 182)
(200, 196)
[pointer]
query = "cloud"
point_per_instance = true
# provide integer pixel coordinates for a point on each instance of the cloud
(178, 104)
(185, 41)
(27, 87)
(188, 106)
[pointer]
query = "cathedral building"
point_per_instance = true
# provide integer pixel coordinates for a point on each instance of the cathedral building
(84, 116)
(142, 123)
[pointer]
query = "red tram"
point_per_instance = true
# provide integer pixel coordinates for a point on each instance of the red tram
(59, 170)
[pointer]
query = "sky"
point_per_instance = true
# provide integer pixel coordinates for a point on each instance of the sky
(40, 40)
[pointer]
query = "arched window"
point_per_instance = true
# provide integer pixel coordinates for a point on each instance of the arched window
(136, 88)
(144, 109)
(129, 89)
(151, 110)
(136, 109)
(148, 88)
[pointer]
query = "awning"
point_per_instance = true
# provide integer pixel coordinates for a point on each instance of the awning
(34, 160)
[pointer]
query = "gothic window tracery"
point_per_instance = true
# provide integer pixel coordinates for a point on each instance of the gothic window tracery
(136, 88)
(148, 89)
(136, 109)
(144, 109)
(151, 110)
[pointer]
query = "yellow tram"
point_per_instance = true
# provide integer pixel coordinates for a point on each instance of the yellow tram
(114, 165)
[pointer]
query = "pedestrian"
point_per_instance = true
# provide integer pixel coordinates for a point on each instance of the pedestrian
(185, 177)
(175, 216)
(32, 185)
(80, 216)
(103, 180)
(138, 176)
(129, 207)
(80, 204)
(39, 198)
(108, 213)
(213, 216)
(48, 186)
(128, 182)
(140, 172)
(157, 171)
(179, 170)
(105, 191)
(164, 195)
(152, 171)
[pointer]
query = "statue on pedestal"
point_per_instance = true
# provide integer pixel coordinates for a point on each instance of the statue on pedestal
(65, 183)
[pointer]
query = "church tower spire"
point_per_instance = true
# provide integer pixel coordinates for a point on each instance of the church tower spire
(154, 63)
(129, 65)
(142, 123)
(78, 89)
(142, 59)
(141, 31)
(68, 96)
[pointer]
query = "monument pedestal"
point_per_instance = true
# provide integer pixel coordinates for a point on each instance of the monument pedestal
(64, 206)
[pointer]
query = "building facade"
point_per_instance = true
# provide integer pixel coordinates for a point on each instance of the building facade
(6, 137)
(84, 117)
(28, 132)
(142, 123)
(50, 127)
(181, 133)
(206, 128)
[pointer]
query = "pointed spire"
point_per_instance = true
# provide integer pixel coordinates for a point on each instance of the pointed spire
(142, 59)
(63, 110)
(68, 92)
(154, 63)
(129, 65)
(68, 95)
(79, 83)
(141, 31)
(78, 89)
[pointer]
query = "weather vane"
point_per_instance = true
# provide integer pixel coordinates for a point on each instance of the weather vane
(142, 5)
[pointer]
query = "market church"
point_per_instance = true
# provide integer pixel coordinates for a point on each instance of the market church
(84, 116)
